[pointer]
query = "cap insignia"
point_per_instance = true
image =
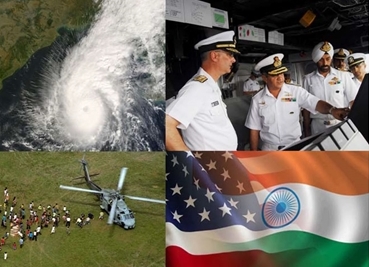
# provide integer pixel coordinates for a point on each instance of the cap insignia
(341, 53)
(325, 47)
(350, 60)
(277, 63)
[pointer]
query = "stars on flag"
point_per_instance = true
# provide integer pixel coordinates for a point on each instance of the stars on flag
(249, 216)
(176, 216)
(204, 215)
(240, 186)
(211, 165)
(233, 203)
(190, 202)
(209, 195)
(196, 182)
(227, 155)
(189, 154)
(174, 160)
(185, 170)
(225, 210)
(216, 196)
(176, 190)
(225, 174)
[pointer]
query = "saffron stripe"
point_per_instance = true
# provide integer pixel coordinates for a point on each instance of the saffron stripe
(343, 173)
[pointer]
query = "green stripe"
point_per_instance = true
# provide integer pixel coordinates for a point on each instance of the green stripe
(300, 249)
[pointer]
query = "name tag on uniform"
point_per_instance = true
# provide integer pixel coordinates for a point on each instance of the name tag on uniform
(216, 103)
(288, 99)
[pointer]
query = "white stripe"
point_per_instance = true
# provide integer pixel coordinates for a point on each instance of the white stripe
(216, 241)
(336, 217)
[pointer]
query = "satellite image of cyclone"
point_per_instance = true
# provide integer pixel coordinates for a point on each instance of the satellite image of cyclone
(82, 75)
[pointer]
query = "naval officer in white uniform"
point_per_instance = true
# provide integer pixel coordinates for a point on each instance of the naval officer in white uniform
(339, 59)
(357, 65)
(275, 111)
(251, 86)
(329, 84)
(197, 119)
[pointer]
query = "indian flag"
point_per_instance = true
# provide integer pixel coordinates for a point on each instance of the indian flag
(293, 209)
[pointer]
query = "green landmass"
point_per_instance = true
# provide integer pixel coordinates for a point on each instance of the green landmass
(28, 25)
(36, 176)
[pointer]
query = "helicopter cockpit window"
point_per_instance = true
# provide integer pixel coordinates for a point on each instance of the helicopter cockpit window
(128, 216)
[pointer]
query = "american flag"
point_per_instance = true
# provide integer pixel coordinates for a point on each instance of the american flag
(207, 191)
(203, 189)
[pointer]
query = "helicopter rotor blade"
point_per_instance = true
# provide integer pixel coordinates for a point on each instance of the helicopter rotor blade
(112, 211)
(146, 199)
(79, 189)
(123, 173)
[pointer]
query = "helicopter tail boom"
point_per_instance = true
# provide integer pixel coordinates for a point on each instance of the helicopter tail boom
(79, 189)
(87, 176)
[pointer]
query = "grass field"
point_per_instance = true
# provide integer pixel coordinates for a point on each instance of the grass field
(36, 176)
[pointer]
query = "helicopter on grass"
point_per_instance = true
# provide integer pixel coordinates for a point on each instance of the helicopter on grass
(112, 201)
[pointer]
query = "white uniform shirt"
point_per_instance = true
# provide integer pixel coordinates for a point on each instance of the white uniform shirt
(357, 82)
(251, 85)
(277, 119)
(203, 116)
(337, 88)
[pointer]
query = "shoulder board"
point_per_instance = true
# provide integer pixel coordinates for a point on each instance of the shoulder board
(200, 78)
